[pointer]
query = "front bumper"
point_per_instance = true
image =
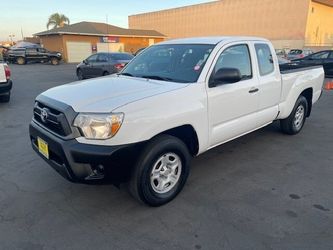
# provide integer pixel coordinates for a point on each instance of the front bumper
(6, 87)
(79, 162)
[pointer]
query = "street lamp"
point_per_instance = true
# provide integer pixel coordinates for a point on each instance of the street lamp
(11, 36)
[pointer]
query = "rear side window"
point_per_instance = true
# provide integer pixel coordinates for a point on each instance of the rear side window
(121, 56)
(238, 57)
(265, 59)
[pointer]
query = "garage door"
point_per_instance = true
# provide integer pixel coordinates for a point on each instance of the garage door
(110, 47)
(78, 51)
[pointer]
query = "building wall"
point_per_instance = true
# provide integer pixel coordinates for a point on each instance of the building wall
(59, 42)
(319, 29)
(265, 18)
(52, 43)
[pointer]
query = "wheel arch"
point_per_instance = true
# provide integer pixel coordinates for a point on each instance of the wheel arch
(187, 134)
(308, 94)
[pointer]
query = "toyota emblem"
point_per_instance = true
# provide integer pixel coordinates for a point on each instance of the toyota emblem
(44, 114)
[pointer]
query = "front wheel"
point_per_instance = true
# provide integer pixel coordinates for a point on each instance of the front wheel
(79, 74)
(20, 60)
(54, 61)
(161, 171)
(294, 123)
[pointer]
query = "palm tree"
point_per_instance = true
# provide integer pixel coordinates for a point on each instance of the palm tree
(57, 20)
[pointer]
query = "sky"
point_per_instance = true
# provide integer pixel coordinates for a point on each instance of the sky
(31, 16)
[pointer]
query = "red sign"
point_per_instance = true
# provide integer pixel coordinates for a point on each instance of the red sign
(110, 39)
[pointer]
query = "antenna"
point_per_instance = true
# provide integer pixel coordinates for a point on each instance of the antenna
(107, 32)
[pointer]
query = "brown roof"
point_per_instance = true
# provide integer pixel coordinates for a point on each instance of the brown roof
(91, 28)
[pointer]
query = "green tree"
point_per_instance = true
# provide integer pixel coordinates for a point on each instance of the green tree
(57, 20)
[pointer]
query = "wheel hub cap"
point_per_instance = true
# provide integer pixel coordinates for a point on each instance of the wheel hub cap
(165, 173)
(299, 117)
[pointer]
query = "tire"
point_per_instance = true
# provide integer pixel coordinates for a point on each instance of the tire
(5, 98)
(158, 155)
(105, 73)
(294, 123)
(20, 60)
(79, 74)
(54, 61)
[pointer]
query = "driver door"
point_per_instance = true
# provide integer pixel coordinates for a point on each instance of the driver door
(232, 107)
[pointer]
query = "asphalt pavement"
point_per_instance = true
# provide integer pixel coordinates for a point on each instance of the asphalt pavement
(265, 190)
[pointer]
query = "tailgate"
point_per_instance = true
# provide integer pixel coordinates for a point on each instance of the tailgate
(2, 73)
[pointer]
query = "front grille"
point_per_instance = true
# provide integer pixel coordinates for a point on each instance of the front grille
(52, 119)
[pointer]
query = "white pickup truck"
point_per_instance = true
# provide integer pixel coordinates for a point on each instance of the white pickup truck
(175, 100)
(5, 82)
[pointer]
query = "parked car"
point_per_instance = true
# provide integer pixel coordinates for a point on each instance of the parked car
(281, 53)
(24, 55)
(101, 64)
(175, 101)
(324, 58)
(298, 53)
(5, 82)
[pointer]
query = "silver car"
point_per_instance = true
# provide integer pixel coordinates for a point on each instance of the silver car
(298, 53)
(102, 64)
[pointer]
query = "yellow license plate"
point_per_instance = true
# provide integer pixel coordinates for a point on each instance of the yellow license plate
(43, 147)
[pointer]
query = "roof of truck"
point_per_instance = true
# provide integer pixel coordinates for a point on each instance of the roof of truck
(213, 40)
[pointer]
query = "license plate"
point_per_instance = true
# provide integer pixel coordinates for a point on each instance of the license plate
(43, 147)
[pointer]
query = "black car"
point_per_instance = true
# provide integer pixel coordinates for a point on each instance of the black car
(101, 64)
(324, 58)
(24, 55)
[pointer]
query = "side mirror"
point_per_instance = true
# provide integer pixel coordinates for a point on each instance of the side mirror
(85, 61)
(225, 76)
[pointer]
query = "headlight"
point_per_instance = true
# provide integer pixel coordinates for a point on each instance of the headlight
(59, 54)
(99, 126)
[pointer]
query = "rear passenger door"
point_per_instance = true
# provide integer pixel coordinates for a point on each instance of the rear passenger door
(232, 107)
(269, 83)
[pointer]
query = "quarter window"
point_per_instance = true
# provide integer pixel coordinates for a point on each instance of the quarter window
(265, 59)
(237, 56)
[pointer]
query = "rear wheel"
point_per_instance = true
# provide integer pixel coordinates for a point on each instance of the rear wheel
(54, 61)
(161, 171)
(294, 123)
(20, 60)
(105, 73)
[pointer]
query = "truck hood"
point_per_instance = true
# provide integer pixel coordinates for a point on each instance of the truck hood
(105, 94)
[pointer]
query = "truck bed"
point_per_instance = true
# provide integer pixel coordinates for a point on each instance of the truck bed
(293, 67)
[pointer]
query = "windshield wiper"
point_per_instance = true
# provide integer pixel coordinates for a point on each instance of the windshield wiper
(125, 74)
(157, 78)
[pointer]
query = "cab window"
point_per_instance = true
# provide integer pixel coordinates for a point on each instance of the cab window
(237, 56)
(265, 59)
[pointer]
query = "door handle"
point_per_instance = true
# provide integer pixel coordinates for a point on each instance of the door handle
(253, 90)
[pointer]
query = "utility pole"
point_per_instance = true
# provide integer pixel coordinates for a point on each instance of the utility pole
(22, 34)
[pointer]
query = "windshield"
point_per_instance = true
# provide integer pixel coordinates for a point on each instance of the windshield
(170, 62)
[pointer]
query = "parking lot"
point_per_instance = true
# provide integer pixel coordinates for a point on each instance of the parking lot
(266, 190)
